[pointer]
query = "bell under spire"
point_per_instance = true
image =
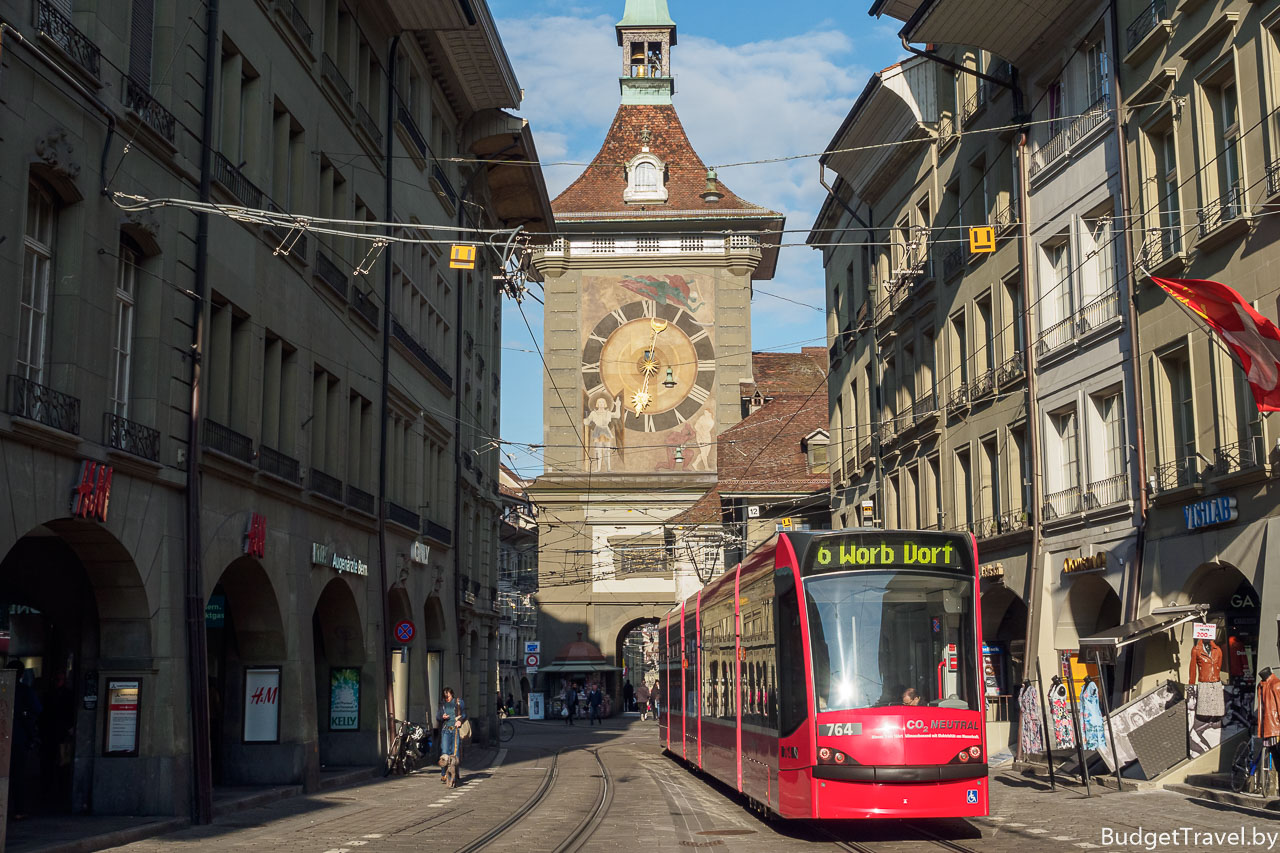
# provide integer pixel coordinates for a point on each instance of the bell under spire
(646, 34)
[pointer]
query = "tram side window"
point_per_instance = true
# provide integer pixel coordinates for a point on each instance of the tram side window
(793, 706)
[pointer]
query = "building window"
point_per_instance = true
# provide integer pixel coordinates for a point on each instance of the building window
(962, 476)
(140, 43)
(1096, 84)
(33, 307)
(359, 441)
(645, 180)
(959, 349)
(326, 422)
(1178, 421)
(989, 498)
(279, 394)
(227, 360)
(816, 448)
(985, 334)
(1167, 183)
(1062, 453)
(1055, 291)
(1221, 149)
(1097, 258)
(1055, 96)
(122, 343)
(1107, 446)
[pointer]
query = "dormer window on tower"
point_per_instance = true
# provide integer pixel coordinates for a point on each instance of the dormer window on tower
(646, 180)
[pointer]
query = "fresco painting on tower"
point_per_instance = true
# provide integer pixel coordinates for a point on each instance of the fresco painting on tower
(648, 372)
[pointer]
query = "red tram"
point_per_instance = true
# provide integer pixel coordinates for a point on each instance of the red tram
(866, 702)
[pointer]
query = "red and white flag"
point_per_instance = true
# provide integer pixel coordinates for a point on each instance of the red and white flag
(1253, 339)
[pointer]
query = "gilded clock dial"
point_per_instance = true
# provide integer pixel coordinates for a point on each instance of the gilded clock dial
(628, 353)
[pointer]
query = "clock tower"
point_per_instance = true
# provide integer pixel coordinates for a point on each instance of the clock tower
(647, 339)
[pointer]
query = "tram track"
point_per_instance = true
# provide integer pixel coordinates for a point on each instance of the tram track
(924, 835)
(528, 806)
(593, 818)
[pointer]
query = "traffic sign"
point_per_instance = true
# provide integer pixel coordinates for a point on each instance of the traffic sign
(982, 239)
(404, 631)
(532, 647)
(462, 257)
(532, 659)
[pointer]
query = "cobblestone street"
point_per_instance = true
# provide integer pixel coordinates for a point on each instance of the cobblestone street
(553, 788)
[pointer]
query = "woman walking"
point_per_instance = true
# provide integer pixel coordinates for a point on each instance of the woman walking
(453, 714)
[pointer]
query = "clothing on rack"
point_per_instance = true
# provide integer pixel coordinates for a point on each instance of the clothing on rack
(1206, 662)
(1091, 720)
(1269, 706)
(1030, 733)
(1060, 708)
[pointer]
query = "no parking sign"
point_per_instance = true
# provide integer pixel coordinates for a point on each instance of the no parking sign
(404, 631)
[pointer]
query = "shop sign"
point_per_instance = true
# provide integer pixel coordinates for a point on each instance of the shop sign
(323, 555)
(992, 570)
(419, 553)
(215, 612)
(92, 492)
(262, 704)
(1210, 511)
(122, 717)
(255, 536)
(1204, 631)
(1093, 562)
(344, 699)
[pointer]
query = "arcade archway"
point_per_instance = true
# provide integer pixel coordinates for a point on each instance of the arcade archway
(1233, 604)
(635, 652)
(346, 694)
(434, 638)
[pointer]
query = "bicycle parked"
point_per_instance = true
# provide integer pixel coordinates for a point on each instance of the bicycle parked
(1249, 769)
(408, 750)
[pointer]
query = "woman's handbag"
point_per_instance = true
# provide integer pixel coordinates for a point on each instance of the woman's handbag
(464, 730)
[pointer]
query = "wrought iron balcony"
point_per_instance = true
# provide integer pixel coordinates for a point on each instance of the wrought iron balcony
(1145, 22)
(925, 408)
(75, 44)
(224, 439)
(1011, 521)
(41, 403)
(1234, 458)
(1006, 216)
(438, 532)
(406, 338)
(952, 263)
(369, 124)
(888, 433)
(973, 105)
(278, 464)
(1056, 336)
(1012, 370)
(363, 303)
(230, 176)
(328, 272)
(1108, 491)
(404, 517)
(946, 128)
(864, 451)
(1273, 177)
(329, 71)
(324, 484)
(1160, 245)
(138, 98)
(1226, 208)
(1064, 138)
(1176, 474)
(1099, 312)
(958, 398)
(985, 528)
(1063, 503)
(358, 499)
(298, 20)
(983, 386)
(884, 310)
(131, 437)
(405, 120)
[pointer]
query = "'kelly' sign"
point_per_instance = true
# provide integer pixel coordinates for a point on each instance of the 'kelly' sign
(1210, 511)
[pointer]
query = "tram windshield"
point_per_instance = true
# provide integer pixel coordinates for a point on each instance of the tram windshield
(892, 638)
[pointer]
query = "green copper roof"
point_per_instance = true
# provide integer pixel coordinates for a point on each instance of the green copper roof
(646, 13)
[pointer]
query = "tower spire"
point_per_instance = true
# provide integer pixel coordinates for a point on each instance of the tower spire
(646, 34)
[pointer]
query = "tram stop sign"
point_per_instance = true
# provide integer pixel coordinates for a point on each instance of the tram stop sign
(404, 631)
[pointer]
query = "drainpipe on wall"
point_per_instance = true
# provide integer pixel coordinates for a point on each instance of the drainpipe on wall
(197, 651)
(1138, 468)
(384, 637)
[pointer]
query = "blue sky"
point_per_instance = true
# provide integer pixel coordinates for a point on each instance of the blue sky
(754, 80)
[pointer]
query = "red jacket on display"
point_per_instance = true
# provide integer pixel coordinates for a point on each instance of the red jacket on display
(1237, 656)
(1269, 707)
(1206, 665)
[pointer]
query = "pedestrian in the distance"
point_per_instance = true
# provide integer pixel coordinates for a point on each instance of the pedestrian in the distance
(642, 700)
(628, 696)
(570, 703)
(453, 713)
(595, 699)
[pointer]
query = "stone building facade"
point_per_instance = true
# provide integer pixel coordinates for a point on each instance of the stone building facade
(235, 627)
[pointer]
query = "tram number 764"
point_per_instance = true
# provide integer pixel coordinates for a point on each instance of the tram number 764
(839, 729)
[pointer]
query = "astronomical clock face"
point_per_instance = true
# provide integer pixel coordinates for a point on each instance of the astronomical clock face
(648, 375)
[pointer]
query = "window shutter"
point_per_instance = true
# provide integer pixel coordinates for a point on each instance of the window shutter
(140, 39)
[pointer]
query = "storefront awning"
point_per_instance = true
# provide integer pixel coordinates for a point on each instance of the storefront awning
(1108, 643)
(579, 666)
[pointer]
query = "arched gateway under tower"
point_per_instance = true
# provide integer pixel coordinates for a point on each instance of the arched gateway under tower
(647, 341)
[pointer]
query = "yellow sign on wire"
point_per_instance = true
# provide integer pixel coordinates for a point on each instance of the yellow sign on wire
(462, 258)
(982, 239)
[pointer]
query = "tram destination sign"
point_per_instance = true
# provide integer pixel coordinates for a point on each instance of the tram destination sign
(895, 549)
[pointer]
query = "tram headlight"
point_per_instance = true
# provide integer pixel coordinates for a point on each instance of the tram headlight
(975, 751)
(824, 754)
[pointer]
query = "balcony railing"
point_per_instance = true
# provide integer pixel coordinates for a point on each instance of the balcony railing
(363, 303)
(75, 44)
(405, 119)
(359, 499)
(1012, 370)
(1145, 22)
(1098, 312)
(245, 191)
(1273, 177)
(226, 440)
(958, 397)
(329, 273)
(984, 385)
(952, 263)
(884, 309)
(1109, 491)
(864, 451)
(444, 188)
(278, 464)
(1221, 210)
(329, 71)
(131, 437)
(138, 97)
(438, 532)
(1056, 336)
(1006, 216)
(1065, 139)
(985, 528)
(1063, 503)
(41, 403)
(974, 105)
(1011, 521)
(925, 408)
(1160, 245)
(1234, 458)
(324, 484)
(298, 20)
(404, 517)
(406, 338)
(1176, 474)
(888, 433)
(946, 127)
(369, 124)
